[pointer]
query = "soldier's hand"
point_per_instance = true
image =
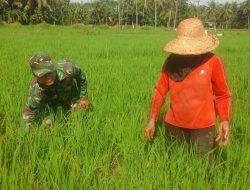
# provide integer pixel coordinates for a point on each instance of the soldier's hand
(24, 129)
(84, 103)
(47, 122)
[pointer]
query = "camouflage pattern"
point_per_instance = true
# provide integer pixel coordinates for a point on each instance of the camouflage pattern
(41, 64)
(70, 86)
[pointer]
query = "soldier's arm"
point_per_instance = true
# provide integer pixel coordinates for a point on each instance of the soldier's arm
(81, 80)
(33, 103)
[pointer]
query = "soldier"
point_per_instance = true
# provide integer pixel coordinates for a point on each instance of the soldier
(54, 84)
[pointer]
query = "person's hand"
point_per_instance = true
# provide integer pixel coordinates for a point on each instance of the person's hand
(24, 129)
(150, 130)
(47, 122)
(84, 103)
(224, 132)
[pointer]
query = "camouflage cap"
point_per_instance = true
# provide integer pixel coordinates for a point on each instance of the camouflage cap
(41, 64)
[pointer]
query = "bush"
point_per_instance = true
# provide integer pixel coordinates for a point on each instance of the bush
(126, 27)
(147, 27)
(85, 29)
(15, 24)
(80, 26)
(43, 25)
(103, 26)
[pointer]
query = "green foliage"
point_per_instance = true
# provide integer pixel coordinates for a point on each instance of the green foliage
(37, 17)
(89, 30)
(105, 148)
(124, 12)
(15, 24)
(126, 26)
(105, 27)
(43, 25)
(145, 27)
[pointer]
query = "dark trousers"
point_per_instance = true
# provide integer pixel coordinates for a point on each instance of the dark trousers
(204, 138)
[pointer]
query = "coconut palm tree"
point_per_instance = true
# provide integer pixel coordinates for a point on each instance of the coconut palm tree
(119, 9)
(246, 11)
(33, 4)
(3, 6)
(226, 13)
(176, 3)
(193, 10)
(157, 5)
(211, 11)
(3, 3)
(15, 3)
(129, 11)
(55, 7)
(11, 10)
(132, 11)
(165, 12)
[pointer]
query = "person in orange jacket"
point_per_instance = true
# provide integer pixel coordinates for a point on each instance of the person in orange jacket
(199, 93)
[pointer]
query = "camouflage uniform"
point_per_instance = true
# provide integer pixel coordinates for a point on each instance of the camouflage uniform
(69, 86)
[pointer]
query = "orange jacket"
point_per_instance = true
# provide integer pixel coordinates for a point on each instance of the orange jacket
(197, 99)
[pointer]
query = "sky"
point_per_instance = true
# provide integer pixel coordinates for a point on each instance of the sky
(204, 2)
(201, 2)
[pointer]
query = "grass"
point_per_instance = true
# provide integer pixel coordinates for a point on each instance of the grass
(105, 148)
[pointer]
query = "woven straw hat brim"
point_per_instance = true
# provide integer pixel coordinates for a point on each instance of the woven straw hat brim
(190, 46)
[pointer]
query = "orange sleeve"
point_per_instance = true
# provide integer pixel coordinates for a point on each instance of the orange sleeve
(159, 96)
(221, 90)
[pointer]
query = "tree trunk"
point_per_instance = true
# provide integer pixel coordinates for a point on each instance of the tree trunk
(155, 13)
(3, 19)
(169, 18)
(198, 7)
(122, 12)
(119, 15)
(176, 12)
(248, 20)
(54, 19)
(132, 22)
(136, 14)
(127, 15)
(61, 15)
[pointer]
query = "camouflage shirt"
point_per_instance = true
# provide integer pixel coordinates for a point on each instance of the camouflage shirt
(70, 85)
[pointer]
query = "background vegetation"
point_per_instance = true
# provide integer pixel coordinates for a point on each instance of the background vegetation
(135, 13)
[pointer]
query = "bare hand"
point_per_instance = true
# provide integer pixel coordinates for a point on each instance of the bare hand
(47, 122)
(84, 103)
(150, 130)
(224, 132)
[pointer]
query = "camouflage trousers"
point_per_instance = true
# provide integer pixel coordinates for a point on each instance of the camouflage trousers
(66, 108)
(48, 113)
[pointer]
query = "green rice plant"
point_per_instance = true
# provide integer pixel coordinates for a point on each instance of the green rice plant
(105, 148)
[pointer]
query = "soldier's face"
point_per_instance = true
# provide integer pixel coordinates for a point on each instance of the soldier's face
(47, 79)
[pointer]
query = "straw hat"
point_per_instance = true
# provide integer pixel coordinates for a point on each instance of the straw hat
(191, 39)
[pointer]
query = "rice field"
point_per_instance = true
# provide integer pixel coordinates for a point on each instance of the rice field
(105, 148)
